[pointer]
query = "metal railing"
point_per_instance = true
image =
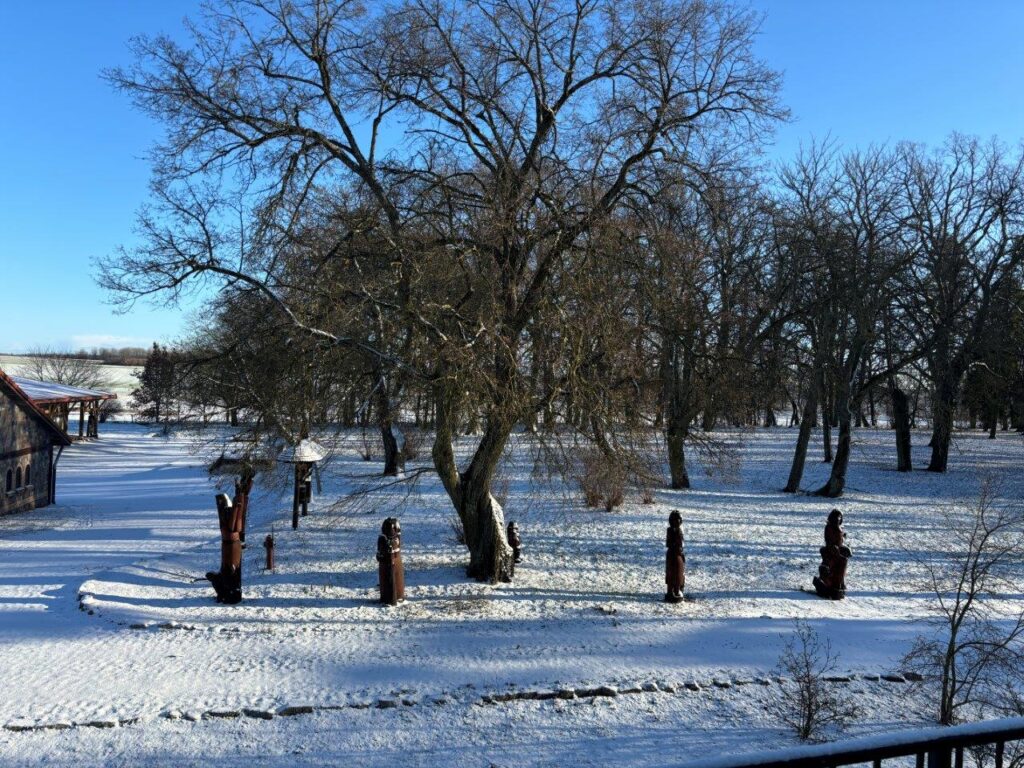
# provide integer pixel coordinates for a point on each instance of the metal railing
(932, 748)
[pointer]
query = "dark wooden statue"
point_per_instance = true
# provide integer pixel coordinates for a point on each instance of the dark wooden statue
(675, 559)
(831, 579)
(389, 562)
(515, 542)
(227, 582)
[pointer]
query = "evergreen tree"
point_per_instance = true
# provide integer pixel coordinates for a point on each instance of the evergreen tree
(156, 393)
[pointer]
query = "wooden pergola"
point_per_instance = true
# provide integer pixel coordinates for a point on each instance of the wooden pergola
(58, 401)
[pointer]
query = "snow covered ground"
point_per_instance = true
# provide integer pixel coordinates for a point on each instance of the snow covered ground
(121, 377)
(107, 626)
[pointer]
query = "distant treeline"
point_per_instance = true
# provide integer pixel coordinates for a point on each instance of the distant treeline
(107, 355)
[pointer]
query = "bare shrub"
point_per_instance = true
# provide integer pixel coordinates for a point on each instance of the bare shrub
(808, 704)
(614, 498)
(589, 478)
(601, 480)
(646, 496)
(975, 649)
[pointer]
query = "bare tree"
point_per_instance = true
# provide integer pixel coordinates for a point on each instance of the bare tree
(843, 220)
(63, 367)
(974, 648)
(520, 129)
(965, 207)
(806, 703)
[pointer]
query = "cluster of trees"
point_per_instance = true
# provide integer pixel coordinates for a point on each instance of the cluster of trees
(114, 355)
(101, 355)
(485, 215)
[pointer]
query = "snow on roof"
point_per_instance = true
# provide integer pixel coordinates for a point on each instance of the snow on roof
(7, 382)
(50, 392)
(306, 452)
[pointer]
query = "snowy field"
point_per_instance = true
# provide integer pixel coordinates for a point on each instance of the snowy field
(112, 650)
(121, 377)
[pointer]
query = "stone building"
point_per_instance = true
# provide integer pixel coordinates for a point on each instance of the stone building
(28, 462)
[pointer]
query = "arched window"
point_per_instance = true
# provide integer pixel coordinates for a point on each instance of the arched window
(17, 478)
(28, 474)
(10, 481)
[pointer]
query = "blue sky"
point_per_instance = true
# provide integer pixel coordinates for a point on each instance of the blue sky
(72, 151)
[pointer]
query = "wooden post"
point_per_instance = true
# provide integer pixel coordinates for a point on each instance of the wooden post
(295, 498)
(268, 544)
(81, 419)
(306, 489)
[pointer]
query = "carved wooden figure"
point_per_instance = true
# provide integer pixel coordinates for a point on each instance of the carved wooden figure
(675, 559)
(227, 582)
(835, 555)
(389, 562)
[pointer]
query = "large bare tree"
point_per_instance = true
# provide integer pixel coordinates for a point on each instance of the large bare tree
(965, 206)
(489, 140)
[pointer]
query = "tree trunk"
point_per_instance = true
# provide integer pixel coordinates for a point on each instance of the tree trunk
(394, 444)
(901, 423)
(837, 478)
(678, 414)
(394, 449)
(709, 419)
(803, 439)
(942, 429)
(826, 431)
(680, 478)
(483, 520)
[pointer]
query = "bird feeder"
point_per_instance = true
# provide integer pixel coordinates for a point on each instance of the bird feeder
(304, 456)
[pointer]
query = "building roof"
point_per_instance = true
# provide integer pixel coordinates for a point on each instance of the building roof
(20, 396)
(47, 392)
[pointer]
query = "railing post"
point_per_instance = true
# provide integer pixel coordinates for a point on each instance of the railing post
(999, 753)
(941, 757)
